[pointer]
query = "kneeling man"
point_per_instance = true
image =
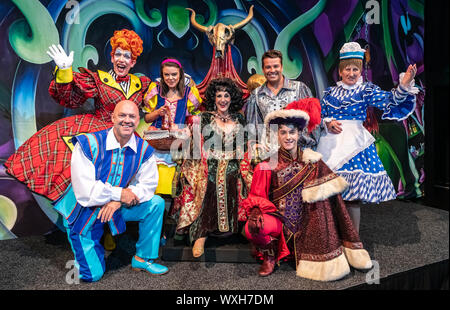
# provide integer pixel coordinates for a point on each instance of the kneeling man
(294, 207)
(113, 180)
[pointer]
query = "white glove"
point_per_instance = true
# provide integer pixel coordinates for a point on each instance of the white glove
(60, 57)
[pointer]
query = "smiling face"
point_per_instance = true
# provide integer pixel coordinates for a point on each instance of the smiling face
(288, 136)
(171, 76)
(273, 70)
(350, 74)
(122, 61)
(125, 119)
(223, 101)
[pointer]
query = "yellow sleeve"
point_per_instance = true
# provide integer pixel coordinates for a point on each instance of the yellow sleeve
(64, 75)
(150, 98)
(194, 101)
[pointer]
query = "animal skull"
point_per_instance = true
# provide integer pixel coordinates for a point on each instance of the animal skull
(220, 35)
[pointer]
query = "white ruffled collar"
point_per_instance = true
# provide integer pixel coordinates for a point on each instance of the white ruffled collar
(345, 86)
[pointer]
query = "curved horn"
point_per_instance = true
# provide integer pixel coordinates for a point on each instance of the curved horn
(244, 22)
(194, 22)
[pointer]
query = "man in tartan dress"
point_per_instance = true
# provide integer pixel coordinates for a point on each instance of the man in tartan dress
(43, 161)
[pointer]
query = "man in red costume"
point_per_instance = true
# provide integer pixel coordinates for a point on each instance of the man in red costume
(295, 209)
(43, 161)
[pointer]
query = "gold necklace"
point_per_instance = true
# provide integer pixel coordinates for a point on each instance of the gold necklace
(224, 118)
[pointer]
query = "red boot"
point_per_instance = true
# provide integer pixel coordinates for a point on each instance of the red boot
(270, 258)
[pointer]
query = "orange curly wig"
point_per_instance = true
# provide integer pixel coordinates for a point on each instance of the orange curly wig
(127, 40)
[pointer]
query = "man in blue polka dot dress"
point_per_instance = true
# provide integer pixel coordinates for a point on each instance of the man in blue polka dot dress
(347, 147)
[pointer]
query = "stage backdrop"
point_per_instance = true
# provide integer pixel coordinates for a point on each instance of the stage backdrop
(308, 32)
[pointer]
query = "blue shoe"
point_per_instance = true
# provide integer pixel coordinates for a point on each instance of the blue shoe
(149, 266)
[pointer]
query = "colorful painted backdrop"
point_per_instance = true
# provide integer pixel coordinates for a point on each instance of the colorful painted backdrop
(308, 32)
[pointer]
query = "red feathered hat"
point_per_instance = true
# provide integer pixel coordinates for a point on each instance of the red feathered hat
(303, 113)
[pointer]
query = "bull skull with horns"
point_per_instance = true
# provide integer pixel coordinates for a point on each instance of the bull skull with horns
(220, 35)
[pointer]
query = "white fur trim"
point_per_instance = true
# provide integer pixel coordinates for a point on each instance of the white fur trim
(330, 270)
(309, 156)
(358, 258)
(325, 190)
(291, 113)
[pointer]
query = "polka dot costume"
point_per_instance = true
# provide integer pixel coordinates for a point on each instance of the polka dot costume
(364, 172)
(367, 177)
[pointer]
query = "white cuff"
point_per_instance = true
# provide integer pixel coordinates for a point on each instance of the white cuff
(410, 89)
(327, 120)
(116, 193)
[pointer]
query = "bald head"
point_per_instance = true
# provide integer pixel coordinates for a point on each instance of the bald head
(125, 119)
(127, 105)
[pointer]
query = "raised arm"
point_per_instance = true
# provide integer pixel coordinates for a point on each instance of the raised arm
(69, 89)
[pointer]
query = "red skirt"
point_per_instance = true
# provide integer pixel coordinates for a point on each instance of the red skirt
(43, 161)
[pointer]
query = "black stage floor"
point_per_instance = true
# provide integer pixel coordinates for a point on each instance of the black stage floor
(408, 241)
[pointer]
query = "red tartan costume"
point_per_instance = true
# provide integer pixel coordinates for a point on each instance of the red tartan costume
(303, 194)
(43, 161)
